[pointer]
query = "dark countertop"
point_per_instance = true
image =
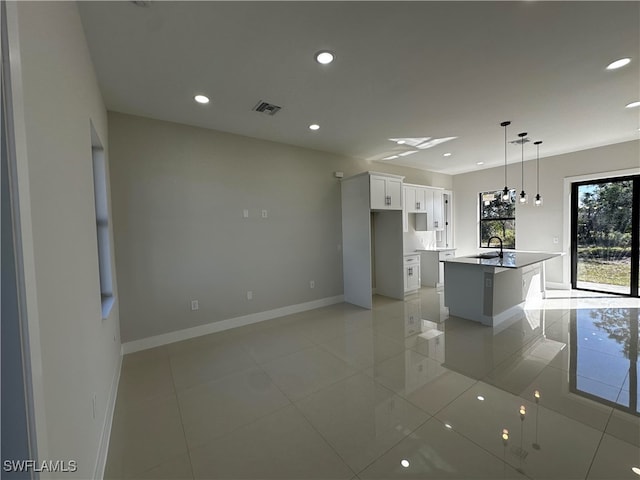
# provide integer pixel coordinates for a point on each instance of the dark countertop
(510, 259)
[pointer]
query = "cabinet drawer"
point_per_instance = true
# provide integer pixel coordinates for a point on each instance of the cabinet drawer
(446, 255)
(411, 259)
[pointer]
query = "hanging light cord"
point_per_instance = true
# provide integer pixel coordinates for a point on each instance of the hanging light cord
(505, 192)
(522, 165)
(538, 198)
(538, 168)
(505, 154)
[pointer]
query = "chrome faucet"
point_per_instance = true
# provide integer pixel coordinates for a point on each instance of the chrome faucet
(489, 244)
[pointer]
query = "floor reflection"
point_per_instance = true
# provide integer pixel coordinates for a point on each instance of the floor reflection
(604, 360)
(400, 391)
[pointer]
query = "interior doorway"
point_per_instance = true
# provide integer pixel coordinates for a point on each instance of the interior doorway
(605, 235)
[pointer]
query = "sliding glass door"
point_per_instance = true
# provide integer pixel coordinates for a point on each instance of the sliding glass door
(605, 232)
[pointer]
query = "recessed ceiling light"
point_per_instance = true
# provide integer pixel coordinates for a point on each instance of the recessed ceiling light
(480, 397)
(636, 470)
(201, 99)
(392, 157)
(448, 426)
(401, 142)
(618, 63)
(405, 463)
(448, 154)
(479, 163)
(324, 57)
(633, 104)
(314, 126)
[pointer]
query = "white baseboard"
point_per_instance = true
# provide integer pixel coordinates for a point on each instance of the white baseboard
(103, 448)
(557, 286)
(213, 327)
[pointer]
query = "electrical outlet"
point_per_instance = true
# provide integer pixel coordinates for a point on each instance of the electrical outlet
(312, 284)
(94, 400)
(194, 305)
(556, 240)
(264, 214)
(245, 213)
(249, 295)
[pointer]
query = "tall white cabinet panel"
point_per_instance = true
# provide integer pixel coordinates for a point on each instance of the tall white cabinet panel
(438, 217)
(386, 192)
(356, 241)
(366, 208)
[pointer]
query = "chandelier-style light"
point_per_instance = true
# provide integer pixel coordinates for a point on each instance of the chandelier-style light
(523, 196)
(505, 193)
(538, 200)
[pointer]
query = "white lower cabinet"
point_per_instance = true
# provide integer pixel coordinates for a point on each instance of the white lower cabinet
(411, 273)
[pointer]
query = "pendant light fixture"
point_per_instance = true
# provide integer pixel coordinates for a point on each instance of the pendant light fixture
(523, 196)
(505, 193)
(538, 200)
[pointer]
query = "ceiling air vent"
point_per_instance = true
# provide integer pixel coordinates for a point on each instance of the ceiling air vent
(268, 108)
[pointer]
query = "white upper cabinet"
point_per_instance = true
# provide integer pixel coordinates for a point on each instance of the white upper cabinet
(421, 200)
(435, 209)
(415, 198)
(410, 198)
(427, 200)
(386, 192)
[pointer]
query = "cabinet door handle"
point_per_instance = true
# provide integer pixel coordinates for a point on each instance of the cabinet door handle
(410, 271)
(387, 200)
(417, 205)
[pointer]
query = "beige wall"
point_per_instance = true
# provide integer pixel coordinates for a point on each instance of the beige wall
(56, 97)
(536, 226)
(178, 197)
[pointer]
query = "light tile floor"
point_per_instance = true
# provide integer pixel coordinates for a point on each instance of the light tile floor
(401, 391)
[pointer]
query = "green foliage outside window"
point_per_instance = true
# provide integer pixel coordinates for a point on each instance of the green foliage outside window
(498, 218)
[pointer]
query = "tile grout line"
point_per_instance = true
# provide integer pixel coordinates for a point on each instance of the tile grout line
(184, 433)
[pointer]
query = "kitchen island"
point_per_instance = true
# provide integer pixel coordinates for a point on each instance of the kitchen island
(490, 289)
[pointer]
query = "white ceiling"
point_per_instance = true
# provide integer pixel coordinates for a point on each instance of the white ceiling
(402, 69)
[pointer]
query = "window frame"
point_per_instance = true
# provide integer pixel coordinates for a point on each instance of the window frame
(103, 230)
(497, 196)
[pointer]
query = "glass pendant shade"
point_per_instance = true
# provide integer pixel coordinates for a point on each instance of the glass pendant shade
(523, 197)
(538, 201)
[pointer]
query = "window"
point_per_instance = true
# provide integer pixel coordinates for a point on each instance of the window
(498, 218)
(102, 223)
